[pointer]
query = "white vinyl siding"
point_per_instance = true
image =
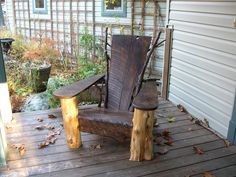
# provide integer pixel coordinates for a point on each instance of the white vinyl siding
(203, 68)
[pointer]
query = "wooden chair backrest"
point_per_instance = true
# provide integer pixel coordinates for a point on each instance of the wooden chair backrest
(128, 55)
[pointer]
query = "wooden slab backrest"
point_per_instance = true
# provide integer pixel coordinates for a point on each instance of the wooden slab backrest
(128, 55)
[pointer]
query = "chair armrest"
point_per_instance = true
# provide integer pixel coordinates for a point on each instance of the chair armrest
(147, 98)
(76, 88)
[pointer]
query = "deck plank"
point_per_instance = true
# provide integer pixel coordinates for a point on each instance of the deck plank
(112, 158)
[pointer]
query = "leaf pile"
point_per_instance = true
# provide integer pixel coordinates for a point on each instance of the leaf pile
(50, 138)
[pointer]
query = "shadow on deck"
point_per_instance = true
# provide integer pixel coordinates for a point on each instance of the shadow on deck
(112, 159)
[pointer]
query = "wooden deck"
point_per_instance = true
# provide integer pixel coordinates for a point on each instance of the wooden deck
(112, 159)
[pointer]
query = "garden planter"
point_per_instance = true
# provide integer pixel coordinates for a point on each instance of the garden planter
(6, 44)
(39, 78)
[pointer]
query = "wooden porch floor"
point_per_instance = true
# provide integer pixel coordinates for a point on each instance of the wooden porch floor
(112, 159)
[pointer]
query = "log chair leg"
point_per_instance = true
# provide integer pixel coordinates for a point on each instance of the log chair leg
(71, 122)
(141, 147)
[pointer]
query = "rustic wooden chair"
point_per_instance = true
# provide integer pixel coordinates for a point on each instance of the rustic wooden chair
(125, 91)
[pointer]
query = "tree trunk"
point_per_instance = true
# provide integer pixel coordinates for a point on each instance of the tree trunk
(71, 122)
(141, 147)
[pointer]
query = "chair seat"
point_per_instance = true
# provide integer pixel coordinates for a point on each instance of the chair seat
(105, 122)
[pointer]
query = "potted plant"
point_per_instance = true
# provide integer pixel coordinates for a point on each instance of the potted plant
(38, 56)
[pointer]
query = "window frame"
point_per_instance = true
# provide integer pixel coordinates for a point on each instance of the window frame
(40, 10)
(115, 13)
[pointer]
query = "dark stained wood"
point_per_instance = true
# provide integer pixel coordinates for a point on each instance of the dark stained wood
(117, 125)
(112, 158)
(128, 55)
(147, 98)
(77, 87)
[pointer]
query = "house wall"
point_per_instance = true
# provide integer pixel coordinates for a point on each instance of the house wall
(66, 19)
(203, 67)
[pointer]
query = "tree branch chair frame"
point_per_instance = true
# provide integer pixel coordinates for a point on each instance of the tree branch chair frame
(125, 91)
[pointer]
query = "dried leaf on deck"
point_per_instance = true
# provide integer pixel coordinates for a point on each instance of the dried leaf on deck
(205, 123)
(169, 143)
(162, 151)
(156, 124)
(165, 133)
(50, 127)
(20, 148)
(40, 127)
(43, 145)
(158, 141)
(181, 108)
(13, 121)
(190, 129)
(160, 115)
(52, 116)
(96, 146)
(227, 143)
(8, 127)
(198, 150)
(208, 174)
(171, 119)
(52, 140)
(40, 119)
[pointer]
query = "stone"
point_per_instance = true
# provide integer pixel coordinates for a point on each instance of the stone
(36, 102)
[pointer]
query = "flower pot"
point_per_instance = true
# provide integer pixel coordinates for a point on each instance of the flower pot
(6, 44)
(39, 78)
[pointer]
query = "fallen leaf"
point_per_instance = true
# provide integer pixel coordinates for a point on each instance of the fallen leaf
(13, 121)
(166, 133)
(20, 148)
(189, 129)
(52, 140)
(208, 174)
(160, 115)
(169, 143)
(51, 116)
(43, 145)
(227, 143)
(40, 127)
(205, 123)
(162, 151)
(171, 119)
(198, 122)
(198, 150)
(96, 146)
(8, 127)
(158, 141)
(156, 124)
(181, 108)
(40, 119)
(50, 127)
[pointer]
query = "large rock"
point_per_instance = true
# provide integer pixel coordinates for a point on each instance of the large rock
(36, 102)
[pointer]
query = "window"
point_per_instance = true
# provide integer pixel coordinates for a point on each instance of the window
(117, 8)
(40, 6)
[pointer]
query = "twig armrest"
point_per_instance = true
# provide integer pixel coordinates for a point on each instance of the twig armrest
(147, 98)
(76, 88)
